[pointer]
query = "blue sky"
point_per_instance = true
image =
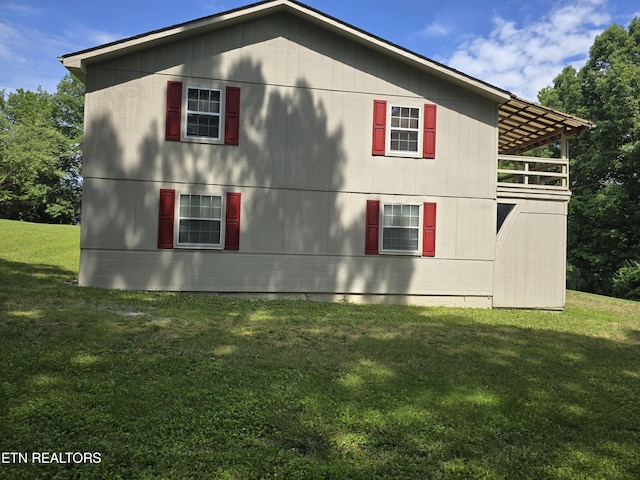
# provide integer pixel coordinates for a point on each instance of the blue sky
(515, 45)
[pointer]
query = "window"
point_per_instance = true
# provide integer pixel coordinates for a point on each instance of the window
(404, 133)
(504, 209)
(203, 113)
(401, 228)
(404, 130)
(200, 220)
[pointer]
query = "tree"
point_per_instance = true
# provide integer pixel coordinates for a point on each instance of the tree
(40, 153)
(604, 213)
(626, 282)
(68, 116)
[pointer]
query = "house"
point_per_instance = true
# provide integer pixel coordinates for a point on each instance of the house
(273, 150)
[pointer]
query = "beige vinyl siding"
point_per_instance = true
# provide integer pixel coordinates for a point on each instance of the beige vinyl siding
(326, 153)
(281, 221)
(215, 271)
(307, 102)
(530, 266)
(291, 241)
(303, 165)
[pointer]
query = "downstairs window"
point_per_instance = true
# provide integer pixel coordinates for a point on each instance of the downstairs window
(200, 220)
(400, 228)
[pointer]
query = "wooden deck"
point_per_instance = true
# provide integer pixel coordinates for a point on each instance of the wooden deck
(533, 177)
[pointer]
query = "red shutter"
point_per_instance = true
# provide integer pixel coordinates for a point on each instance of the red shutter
(165, 220)
(429, 134)
(232, 116)
(379, 127)
(429, 230)
(174, 111)
(232, 222)
(373, 221)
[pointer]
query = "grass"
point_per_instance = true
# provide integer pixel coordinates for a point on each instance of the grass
(166, 385)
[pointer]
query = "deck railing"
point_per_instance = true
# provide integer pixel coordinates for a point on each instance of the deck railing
(533, 173)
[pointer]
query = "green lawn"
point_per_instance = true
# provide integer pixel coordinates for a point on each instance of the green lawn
(165, 385)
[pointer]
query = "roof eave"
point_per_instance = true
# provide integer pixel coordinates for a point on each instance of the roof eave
(77, 62)
(75, 66)
(426, 64)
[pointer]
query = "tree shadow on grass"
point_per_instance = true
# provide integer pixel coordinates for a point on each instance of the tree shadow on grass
(16, 272)
(453, 398)
(24, 283)
(196, 386)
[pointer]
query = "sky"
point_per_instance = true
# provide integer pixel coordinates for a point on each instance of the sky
(516, 45)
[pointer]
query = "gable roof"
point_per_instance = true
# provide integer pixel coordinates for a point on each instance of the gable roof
(522, 123)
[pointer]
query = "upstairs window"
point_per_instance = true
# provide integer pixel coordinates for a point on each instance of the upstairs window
(203, 113)
(404, 131)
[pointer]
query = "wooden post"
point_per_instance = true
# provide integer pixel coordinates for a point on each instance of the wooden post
(564, 154)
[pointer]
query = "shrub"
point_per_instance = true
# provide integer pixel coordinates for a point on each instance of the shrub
(575, 279)
(626, 281)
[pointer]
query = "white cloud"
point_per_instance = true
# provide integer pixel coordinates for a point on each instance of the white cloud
(434, 29)
(525, 58)
(9, 36)
(96, 37)
(82, 37)
(209, 7)
(21, 51)
(29, 56)
(19, 9)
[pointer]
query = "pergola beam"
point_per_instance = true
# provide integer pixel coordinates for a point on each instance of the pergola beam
(524, 125)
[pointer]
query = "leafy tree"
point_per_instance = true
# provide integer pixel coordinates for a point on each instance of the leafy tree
(68, 115)
(30, 147)
(40, 153)
(604, 213)
(626, 282)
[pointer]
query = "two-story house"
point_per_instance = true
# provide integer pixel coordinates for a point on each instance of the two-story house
(273, 150)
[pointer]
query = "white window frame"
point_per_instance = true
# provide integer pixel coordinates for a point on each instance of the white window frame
(179, 218)
(418, 250)
(186, 112)
(419, 130)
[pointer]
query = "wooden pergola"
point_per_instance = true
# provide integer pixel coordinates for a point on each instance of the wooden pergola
(524, 125)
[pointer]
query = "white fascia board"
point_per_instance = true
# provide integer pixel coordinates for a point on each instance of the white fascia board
(484, 89)
(77, 62)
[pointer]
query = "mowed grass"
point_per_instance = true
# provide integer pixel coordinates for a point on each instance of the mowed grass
(167, 385)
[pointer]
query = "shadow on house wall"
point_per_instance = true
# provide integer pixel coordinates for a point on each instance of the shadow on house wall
(291, 167)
